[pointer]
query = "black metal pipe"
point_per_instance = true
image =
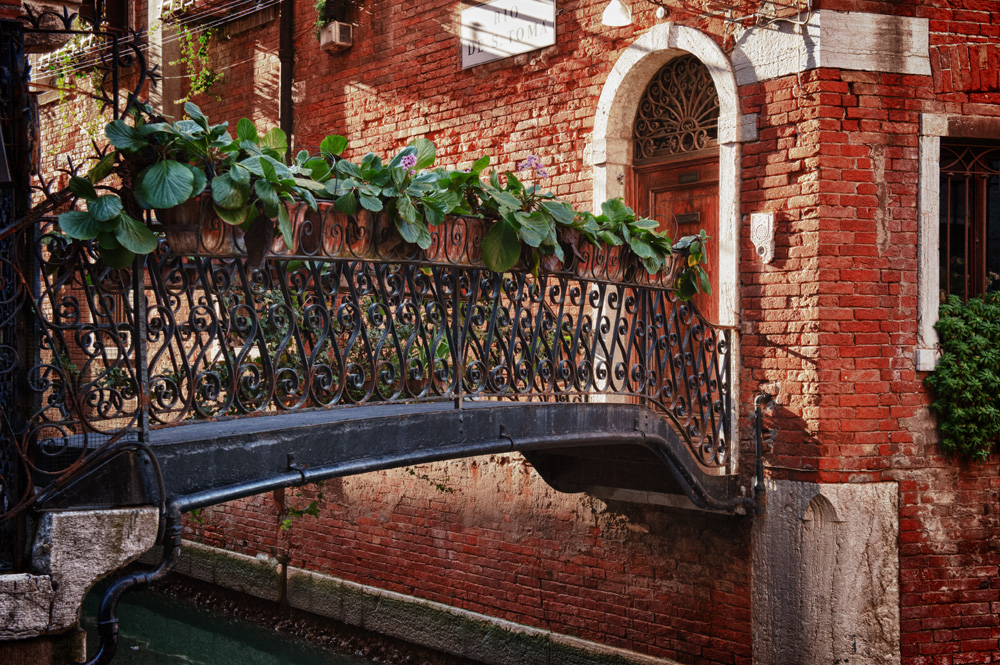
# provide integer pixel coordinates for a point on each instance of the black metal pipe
(759, 489)
(107, 615)
(286, 69)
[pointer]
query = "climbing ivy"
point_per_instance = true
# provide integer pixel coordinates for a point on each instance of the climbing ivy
(966, 382)
(195, 56)
(292, 513)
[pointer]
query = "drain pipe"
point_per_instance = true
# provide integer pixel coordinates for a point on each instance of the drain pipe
(759, 490)
(107, 615)
(286, 69)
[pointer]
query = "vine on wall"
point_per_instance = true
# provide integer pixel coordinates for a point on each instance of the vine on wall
(196, 52)
(966, 382)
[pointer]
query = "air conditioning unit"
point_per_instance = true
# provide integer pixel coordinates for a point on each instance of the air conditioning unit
(336, 36)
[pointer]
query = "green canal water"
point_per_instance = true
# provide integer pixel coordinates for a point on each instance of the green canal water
(158, 630)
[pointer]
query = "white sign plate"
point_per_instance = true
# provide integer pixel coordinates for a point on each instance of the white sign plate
(502, 28)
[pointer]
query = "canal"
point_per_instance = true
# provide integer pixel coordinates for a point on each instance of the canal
(157, 629)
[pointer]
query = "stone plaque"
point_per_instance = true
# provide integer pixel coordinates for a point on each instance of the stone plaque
(502, 28)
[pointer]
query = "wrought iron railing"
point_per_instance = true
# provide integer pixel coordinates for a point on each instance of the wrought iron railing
(190, 339)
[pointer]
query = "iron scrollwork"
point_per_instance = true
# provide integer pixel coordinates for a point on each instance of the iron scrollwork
(679, 111)
(224, 340)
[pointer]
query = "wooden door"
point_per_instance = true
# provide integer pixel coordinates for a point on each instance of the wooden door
(686, 191)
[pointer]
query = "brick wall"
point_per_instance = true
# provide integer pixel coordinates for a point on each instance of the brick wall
(660, 581)
(831, 327)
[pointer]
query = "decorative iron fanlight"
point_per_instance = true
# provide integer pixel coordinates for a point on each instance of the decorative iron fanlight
(679, 111)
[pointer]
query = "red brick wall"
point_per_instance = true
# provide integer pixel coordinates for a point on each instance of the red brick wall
(832, 328)
(660, 581)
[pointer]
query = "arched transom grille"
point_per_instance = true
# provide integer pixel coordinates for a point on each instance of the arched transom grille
(679, 111)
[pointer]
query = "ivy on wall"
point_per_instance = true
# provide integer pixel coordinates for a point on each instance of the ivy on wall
(966, 382)
(196, 54)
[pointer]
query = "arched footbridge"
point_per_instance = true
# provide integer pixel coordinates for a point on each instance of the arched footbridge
(186, 381)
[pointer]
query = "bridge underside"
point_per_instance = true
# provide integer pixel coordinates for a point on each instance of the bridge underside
(575, 447)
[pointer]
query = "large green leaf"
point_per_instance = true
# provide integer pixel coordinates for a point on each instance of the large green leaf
(642, 248)
(349, 169)
(166, 184)
(318, 168)
(503, 199)
(276, 140)
(82, 187)
(480, 164)
(79, 225)
(239, 175)
(535, 228)
(102, 169)
(616, 211)
(501, 247)
(285, 226)
(256, 163)
(333, 145)
(117, 257)
(426, 153)
(435, 208)
(246, 131)
(200, 181)
(561, 211)
(124, 137)
(195, 114)
(409, 232)
(267, 169)
(407, 210)
(134, 235)
(234, 217)
(309, 184)
(228, 194)
(265, 191)
(369, 202)
(347, 204)
(105, 208)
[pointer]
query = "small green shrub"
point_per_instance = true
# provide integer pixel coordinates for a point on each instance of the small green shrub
(966, 382)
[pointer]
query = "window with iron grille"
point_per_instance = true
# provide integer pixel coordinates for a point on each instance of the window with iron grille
(969, 250)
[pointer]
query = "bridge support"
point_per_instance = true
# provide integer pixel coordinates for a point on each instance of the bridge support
(72, 550)
(826, 574)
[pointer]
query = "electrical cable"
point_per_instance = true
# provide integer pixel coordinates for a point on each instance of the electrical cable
(92, 61)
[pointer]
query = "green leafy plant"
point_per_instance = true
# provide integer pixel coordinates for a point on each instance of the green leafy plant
(196, 57)
(292, 513)
(966, 381)
(162, 165)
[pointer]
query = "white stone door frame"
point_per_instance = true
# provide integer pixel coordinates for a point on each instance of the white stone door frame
(612, 150)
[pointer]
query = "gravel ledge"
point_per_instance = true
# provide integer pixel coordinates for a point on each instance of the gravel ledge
(429, 624)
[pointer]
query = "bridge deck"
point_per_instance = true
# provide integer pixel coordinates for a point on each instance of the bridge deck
(574, 447)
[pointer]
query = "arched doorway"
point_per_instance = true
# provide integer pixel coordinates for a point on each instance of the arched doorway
(675, 160)
(612, 152)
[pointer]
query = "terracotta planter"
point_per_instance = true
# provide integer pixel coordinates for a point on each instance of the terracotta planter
(328, 233)
(193, 228)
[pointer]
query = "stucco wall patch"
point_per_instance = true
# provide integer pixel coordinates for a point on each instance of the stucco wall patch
(846, 40)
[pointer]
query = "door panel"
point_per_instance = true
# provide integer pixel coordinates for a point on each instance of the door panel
(689, 192)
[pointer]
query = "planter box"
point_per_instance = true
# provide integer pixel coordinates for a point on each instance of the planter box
(325, 234)
(193, 229)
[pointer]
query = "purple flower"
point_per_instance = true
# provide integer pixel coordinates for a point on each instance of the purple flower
(532, 162)
(408, 162)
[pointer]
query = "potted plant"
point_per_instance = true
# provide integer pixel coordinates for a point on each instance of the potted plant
(173, 168)
(195, 174)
